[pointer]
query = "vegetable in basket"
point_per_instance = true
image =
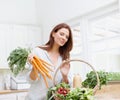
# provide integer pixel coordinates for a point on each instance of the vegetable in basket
(64, 92)
(59, 91)
(78, 92)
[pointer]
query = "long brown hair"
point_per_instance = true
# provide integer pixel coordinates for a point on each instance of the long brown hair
(63, 50)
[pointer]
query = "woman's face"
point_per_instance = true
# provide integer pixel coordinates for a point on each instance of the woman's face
(61, 36)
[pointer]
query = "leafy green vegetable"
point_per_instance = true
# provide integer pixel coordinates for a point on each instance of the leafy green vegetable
(113, 76)
(72, 94)
(91, 80)
(54, 91)
(80, 94)
(17, 60)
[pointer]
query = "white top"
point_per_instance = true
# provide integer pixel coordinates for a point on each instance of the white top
(38, 88)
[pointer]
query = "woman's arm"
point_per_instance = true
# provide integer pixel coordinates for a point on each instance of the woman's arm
(65, 68)
(32, 75)
(65, 79)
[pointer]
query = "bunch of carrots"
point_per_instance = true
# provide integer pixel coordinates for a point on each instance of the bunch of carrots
(42, 67)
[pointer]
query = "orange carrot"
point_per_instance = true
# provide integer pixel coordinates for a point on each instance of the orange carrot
(40, 65)
(49, 76)
(48, 67)
(37, 67)
(44, 69)
(43, 75)
(45, 81)
(43, 61)
(35, 71)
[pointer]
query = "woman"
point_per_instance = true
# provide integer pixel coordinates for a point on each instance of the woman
(54, 52)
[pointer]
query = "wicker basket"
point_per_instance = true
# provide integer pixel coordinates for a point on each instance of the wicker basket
(79, 60)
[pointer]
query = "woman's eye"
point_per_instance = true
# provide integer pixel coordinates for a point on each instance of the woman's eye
(61, 34)
(67, 37)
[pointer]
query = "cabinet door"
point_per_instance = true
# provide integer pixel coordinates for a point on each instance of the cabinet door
(21, 96)
(8, 97)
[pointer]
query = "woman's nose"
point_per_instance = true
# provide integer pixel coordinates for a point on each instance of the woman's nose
(64, 38)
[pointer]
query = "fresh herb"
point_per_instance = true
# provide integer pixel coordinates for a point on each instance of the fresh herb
(91, 80)
(113, 76)
(60, 91)
(64, 92)
(80, 94)
(17, 60)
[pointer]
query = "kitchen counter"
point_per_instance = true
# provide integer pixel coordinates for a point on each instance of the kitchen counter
(111, 91)
(11, 91)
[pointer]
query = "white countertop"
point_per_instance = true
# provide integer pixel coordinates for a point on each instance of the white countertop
(11, 91)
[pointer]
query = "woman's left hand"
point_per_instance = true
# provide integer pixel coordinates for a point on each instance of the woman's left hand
(65, 68)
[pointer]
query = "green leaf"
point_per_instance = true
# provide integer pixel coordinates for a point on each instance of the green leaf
(91, 80)
(17, 60)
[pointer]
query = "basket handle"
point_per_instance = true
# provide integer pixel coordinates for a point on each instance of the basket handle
(98, 81)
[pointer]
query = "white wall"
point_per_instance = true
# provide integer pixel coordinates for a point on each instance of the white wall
(18, 26)
(18, 12)
(63, 10)
(46, 13)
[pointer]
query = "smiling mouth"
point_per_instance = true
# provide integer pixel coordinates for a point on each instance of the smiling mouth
(62, 42)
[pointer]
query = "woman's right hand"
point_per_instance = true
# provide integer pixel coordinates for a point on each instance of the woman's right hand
(32, 73)
(30, 57)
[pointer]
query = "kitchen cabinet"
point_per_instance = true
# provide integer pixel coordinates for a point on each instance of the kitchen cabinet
(7, 97)
(13, 94)
(21, 96)
(13, 36)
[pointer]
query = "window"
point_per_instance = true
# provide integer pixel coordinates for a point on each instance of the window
(105, 42)
(97, 38)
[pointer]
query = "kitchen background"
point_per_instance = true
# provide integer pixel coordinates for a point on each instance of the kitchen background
(95, 25)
